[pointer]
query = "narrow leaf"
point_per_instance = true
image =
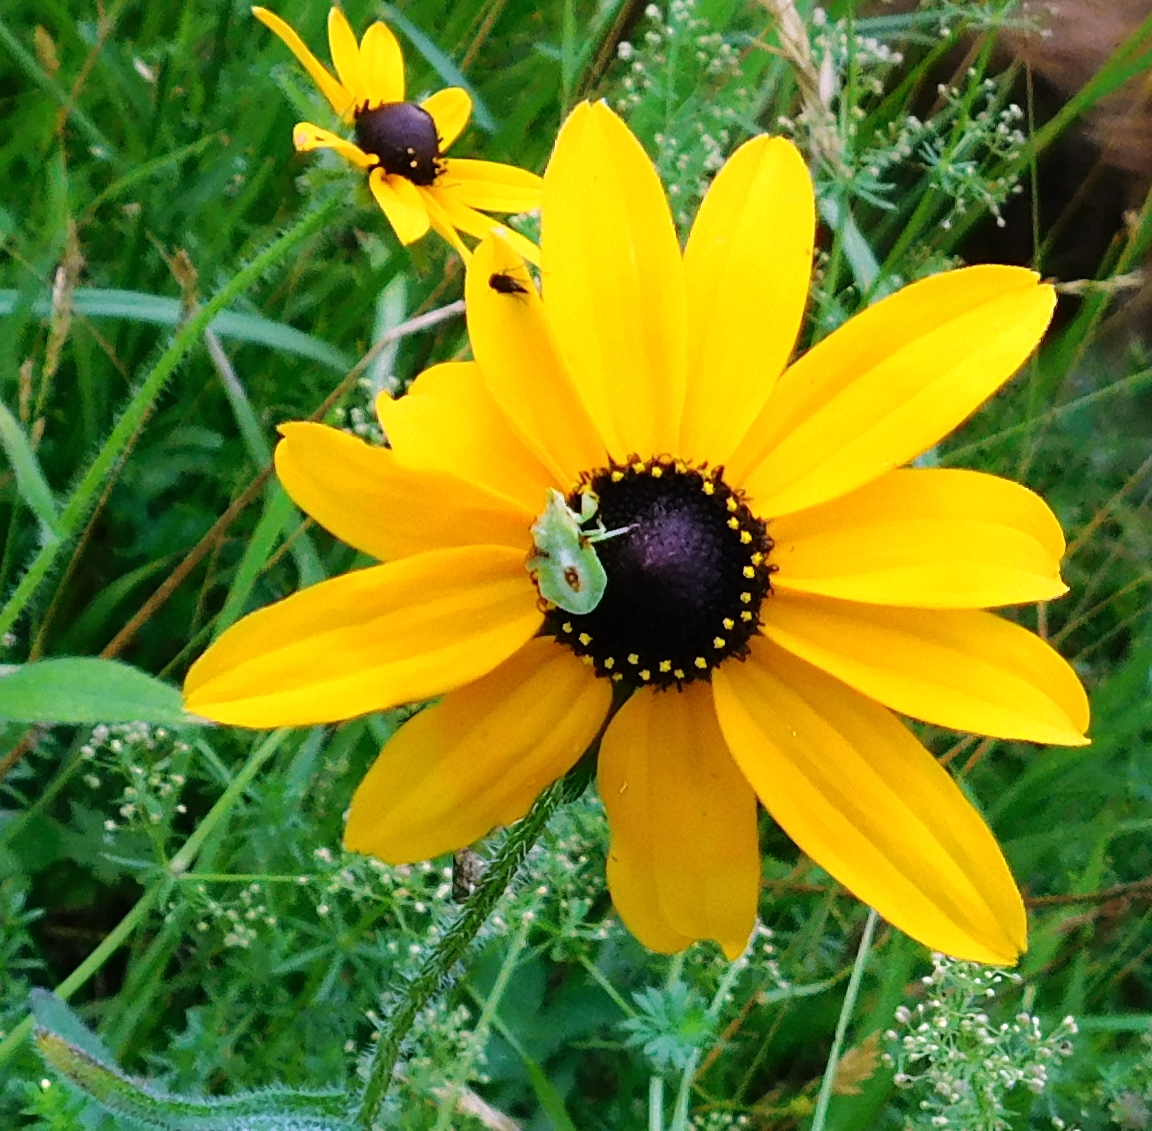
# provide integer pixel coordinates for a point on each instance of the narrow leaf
(271, 1110)
(30, 481)
(159, 310)
(56, 1016)
(84, 689)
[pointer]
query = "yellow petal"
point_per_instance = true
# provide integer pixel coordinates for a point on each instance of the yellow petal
(934, 538)
(683, 821)
(747, 266)
(480, 757)
(366, 498)
(522, 369)
(889, 384)
(490, 186)
(964, 669)
(856, 792)
(450, 109)
(369, 640)
(306, 137)
(441, 224)
(382, 65)
(340, 99)
(466, 219)
(448, 422)
(346, 56)
(402, 203)
(614, 282)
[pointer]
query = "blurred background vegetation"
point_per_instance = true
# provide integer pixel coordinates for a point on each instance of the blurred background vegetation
(145, 161)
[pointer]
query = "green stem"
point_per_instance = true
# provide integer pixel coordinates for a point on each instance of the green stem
(452, 947)
(124, 431)
(158, 889)
(826, 1085)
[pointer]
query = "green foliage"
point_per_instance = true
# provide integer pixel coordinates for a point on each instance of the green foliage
(184, 888)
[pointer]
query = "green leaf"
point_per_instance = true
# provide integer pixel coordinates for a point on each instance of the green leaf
(57, 1016)
(137, 306)
(272, 1110)
(84, 689)
(30, 481)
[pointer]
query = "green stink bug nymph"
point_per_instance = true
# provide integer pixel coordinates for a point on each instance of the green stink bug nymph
(563, 564)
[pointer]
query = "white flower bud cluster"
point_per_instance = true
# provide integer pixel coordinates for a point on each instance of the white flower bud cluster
(142, 755)
(237, 917)
(679, 52)
(957, 1062)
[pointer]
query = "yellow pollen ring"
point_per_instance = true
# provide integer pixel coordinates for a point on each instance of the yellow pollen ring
(700, 662)
(584, 639)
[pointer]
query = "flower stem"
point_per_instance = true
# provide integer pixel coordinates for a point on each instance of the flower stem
(825, 1097)
(453, 945)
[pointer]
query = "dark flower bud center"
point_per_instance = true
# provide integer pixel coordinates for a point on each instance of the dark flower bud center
(403, 136)
(685, 579)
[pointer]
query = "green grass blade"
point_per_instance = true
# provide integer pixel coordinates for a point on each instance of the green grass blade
(159, 310)
(30, 481)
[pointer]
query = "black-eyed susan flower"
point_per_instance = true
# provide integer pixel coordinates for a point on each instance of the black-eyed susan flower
(400, 145)
(780, 583)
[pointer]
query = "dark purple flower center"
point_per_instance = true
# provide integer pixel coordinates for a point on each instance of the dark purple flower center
(403, 136)
(685, 582)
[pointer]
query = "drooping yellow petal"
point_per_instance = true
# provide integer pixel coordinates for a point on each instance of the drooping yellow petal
(448, 422)
(340, 99)
(346, 56)
(964, 669)
(683, 822)
(933, 538)
(401, 202)
(382, 65)
(856, 792)
(480, 757)
(369, 640)
(477, 224)
(306, 137)
(889, 383)
(364, 496)
(747, 266)
(450, 109)
(441, 224)
(614, 282)
(522, 369)
(490, 186)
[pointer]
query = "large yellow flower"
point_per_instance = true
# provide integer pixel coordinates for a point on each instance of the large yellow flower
(400, 144)
(778, 583)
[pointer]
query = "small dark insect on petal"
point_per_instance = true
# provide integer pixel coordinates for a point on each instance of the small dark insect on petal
(504, 284)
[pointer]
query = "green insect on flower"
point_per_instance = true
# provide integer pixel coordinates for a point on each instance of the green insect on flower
(564, 565)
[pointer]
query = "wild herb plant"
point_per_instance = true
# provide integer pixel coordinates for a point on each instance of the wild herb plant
(175, 283)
